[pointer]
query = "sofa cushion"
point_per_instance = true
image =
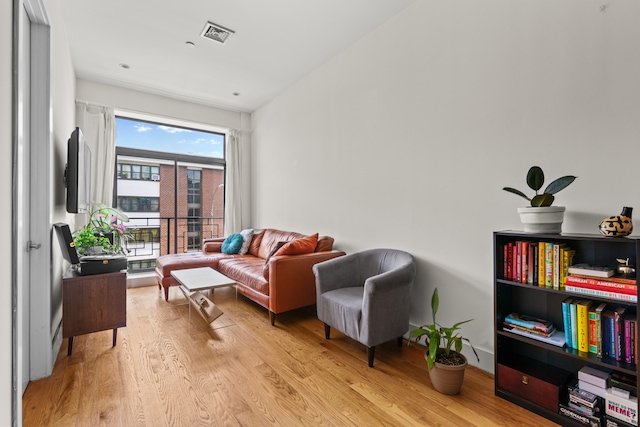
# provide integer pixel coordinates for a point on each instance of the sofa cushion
(247, 236)
(325, 243)
(167, 263)
(254, 247)
(305, 245)
(232, 244)
(272, 237)
(245, 269)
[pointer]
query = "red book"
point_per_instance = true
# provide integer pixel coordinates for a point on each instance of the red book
(524, 252)
(603, 285)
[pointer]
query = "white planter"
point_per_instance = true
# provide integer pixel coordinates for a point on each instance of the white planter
(546, 219)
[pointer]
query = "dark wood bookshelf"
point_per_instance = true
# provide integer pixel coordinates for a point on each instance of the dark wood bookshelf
(546, 303)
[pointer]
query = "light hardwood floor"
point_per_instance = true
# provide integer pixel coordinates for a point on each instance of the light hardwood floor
(167, 370)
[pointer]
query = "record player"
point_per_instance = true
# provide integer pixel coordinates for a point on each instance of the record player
(86, 265)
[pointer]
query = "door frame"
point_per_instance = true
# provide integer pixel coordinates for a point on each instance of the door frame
(41, 332)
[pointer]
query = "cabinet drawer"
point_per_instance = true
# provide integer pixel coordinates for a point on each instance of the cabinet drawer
(542, 384)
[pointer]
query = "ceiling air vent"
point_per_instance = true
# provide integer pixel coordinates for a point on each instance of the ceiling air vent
(216, 33)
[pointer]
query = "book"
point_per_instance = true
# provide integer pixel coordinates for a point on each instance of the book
(607, 326)
(557, 262)
(629, 320)
(593, 329)
(566, 320)
(567, 259)
(532, 331)
(599, 329)
(588, 420)
(548, 262)
(582, 322)
(604, 284)
(610, 421)
(591, 270)
(556, 338)
(529, 322)
(594, 376)
(622, 408)
(618, 341)
(574, 325)
(541, 264)
(583, 397)
(616, 279)
(604, 294)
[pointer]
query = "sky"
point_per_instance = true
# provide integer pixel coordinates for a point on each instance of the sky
(151, 136)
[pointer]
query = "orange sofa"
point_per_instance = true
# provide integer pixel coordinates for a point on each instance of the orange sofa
(284, 283)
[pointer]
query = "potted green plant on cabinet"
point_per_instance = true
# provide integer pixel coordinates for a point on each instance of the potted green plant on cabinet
(541, 217)
(102, 234)
(445, 361)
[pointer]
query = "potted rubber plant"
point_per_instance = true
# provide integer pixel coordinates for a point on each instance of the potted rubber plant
(445, 362)
(541, 216)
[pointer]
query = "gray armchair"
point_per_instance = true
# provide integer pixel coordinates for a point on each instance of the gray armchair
(366, 295)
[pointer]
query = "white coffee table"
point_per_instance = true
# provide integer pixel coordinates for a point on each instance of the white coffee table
(193, 281)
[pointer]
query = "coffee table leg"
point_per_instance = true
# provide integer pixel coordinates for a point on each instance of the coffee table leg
(70, 346)
(115, 335)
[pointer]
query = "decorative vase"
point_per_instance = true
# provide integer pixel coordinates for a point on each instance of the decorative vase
(544, 219)
(447, 379)
(619, 225)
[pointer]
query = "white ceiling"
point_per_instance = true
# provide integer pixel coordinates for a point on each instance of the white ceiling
(276, 43)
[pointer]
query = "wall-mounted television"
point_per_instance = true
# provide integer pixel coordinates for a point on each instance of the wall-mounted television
(77, 172)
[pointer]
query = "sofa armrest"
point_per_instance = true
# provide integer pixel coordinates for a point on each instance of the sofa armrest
(212, 245)
(291, 280)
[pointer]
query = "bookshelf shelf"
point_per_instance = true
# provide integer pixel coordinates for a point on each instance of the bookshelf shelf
(546, 303)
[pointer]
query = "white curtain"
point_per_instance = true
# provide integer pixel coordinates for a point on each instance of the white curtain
(98, 126)
(233, 193)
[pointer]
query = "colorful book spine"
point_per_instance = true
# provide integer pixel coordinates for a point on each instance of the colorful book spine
(534, 280)
(616, 279)
(582, 321)
(607, 326)
(599, 329)
(574, 324)
(524, 254)
(557, 262)
(618, 332)
(548, 262)
(566, 320)
(593, 330)
(603, 294)
(541, 264)
(567, 259)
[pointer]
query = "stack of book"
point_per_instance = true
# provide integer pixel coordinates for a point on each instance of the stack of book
(602, 329)
(583, 406)
(600, 282)
(534, 328)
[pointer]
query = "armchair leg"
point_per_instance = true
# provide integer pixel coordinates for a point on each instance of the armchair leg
(399, 341)
(370, 353)
(327, 331)
(272, 318)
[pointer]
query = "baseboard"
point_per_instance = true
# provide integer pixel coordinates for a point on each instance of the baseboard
(136, 280)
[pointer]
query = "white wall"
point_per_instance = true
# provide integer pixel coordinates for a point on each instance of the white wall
(6, 262)
(406, 138)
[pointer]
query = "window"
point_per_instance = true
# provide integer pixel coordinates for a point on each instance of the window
(139, 172)
(169, 179)
(139, 204)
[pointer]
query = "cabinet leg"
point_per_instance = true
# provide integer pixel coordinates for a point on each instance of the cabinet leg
(115, 335)
(70, 346)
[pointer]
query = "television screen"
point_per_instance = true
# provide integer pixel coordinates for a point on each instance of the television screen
(78, 172)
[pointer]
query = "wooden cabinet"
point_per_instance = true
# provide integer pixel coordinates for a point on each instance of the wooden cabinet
(546, 303)
(93, 303)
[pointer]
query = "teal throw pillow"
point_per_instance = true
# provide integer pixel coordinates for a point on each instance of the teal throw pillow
(232, 244)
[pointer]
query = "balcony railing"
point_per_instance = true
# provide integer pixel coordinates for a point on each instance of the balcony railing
(153, 237)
